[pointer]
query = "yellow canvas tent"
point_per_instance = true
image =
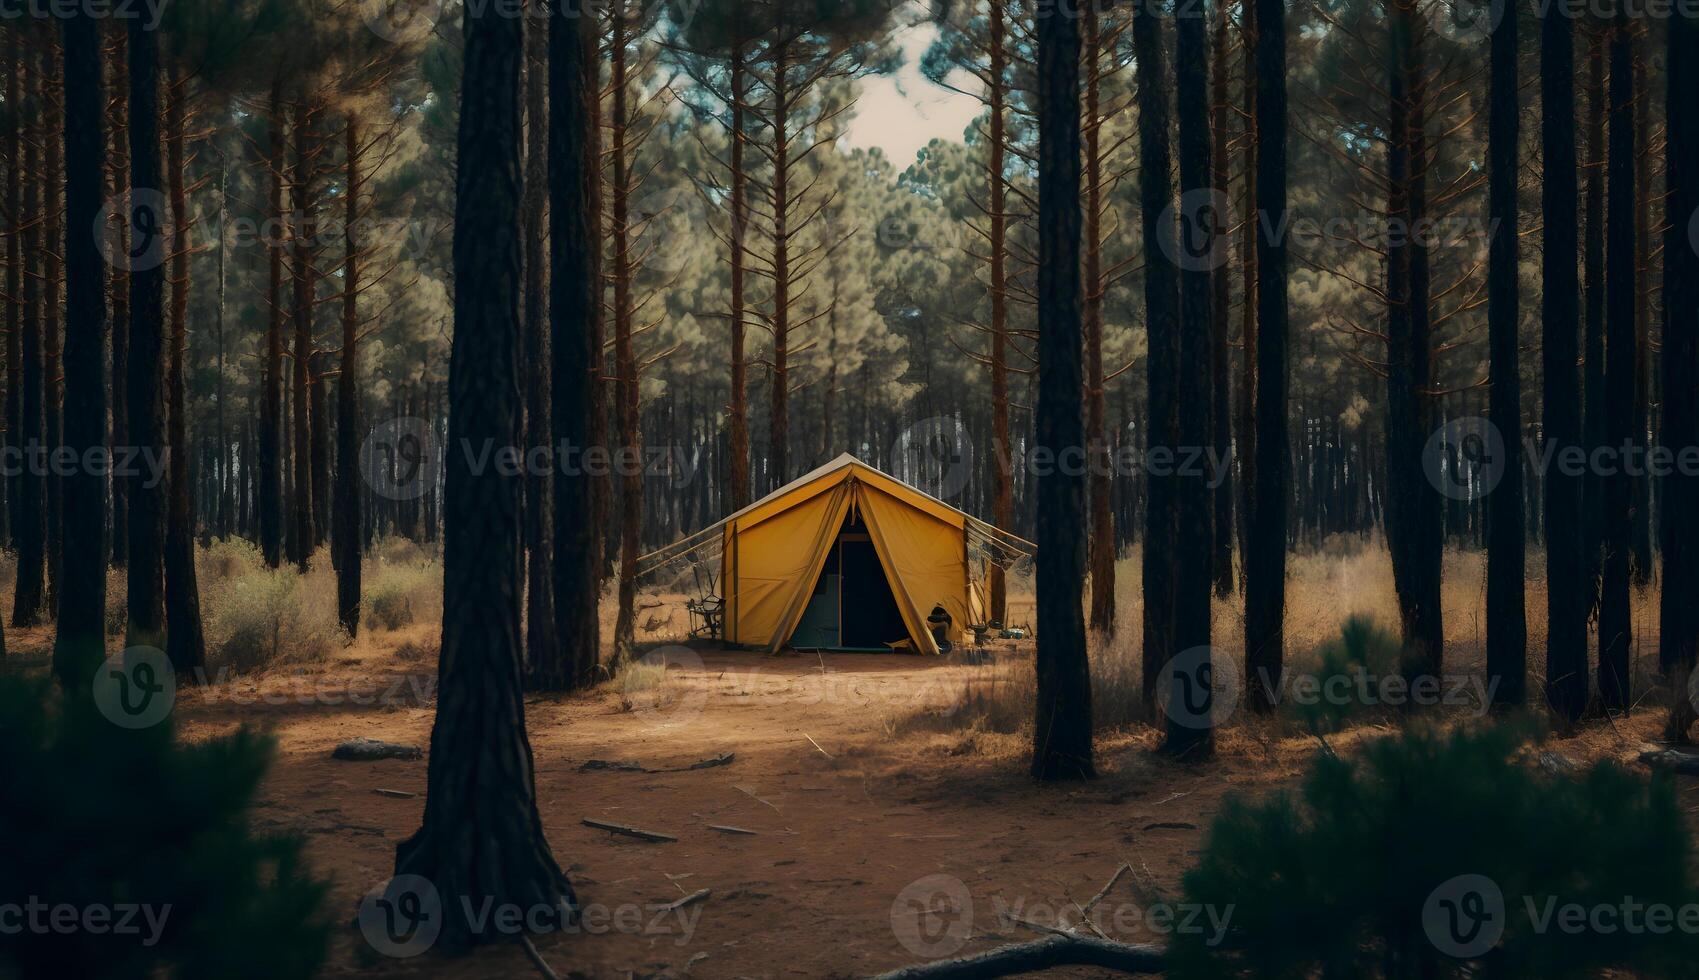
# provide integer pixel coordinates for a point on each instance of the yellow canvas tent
(848, 557)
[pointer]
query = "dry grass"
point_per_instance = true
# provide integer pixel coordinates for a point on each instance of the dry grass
(1345, 578)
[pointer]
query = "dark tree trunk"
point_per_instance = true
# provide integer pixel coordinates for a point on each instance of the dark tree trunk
(184, 637)
(1002, 466)
(1247, 435)
(145, 391)
(575, 350)
(1414, 528)
(625, 358)
(778, 415)
(1221, 394)
(1161, 300)
(1641, 499)
(269, 498)
(30, 529)
(1265, 560)
(80, 642)
(1593, 387)
(482, 839)
(52, 271)
(541, 639)
(1680, 392)
(1616, 631)
(120, 373)
(1566, 584)
(303, 226)
(1189, 732)
(1100, 549)
(739, 409)
(1062, 734)
(1507, 625)
(345, 535)
(15, 138)
(224, 486)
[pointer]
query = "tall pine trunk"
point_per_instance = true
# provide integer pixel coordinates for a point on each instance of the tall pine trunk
(303, 229)
(1062, 734)
(1247, 434)
(184, 636)
(1221, 394)
(1002, 464)
(738, 471)
(269, 496)
(1616, 634)
(145, 391)
(625, 359)
(575, 348)
(52, 271)
(541, 638)
(481, 771)
(345, 534)
(29, 531)
(15, 139)
(120, 372)
(1162, 328)
(1507, 626)
(1189, 732)
(1560, 406)
(1414, 529)
(1680, 391)
(80, 641)
(1100, 560)
(1593, 384)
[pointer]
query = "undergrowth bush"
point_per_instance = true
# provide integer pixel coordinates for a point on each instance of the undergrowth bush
(399, 595)
(265, 617)
(1429, 841)
(212, 898)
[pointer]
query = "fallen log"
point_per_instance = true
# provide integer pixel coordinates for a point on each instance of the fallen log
(1043, 954)
(623, 830)
(1670, 760)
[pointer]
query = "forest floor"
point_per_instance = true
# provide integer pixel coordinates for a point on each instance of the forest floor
(882, 790)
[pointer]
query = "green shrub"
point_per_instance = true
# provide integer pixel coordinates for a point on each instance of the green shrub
(398, 595)
(1352, 877)
(1362, 648)
(266, 617)
(102, 820)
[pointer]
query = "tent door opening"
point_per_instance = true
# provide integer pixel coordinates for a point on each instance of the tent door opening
(852, 607)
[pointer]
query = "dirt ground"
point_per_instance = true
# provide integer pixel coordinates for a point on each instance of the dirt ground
(846, 814)
(879, 840)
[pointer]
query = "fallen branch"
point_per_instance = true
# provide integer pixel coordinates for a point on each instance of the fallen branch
(816, 745)
(1043, 954)
(724, 829)
(536, 958)
(622, 829)
(695, 896)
